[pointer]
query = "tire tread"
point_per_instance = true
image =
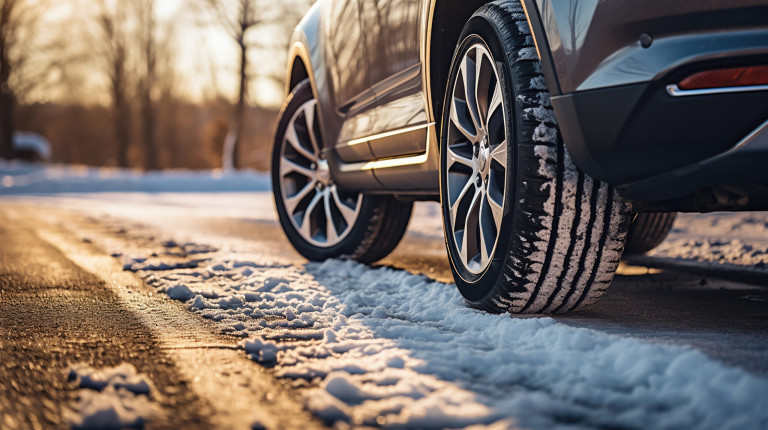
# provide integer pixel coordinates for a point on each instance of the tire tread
(569, 229)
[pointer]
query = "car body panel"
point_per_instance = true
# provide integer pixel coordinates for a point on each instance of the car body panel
(370, 66)
(596, 43)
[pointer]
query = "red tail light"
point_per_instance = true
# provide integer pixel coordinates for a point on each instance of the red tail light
(733, 77)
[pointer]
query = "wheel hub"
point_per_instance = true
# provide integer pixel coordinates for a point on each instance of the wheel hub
(483, 154)
(323, 173)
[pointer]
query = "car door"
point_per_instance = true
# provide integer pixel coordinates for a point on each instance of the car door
(392, 49)
(348, 84)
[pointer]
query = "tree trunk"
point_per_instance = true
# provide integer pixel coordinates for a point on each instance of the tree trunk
(122, 133)
(150, 144)
(122, 117)
(147, 106)
(234, 138)
(7, 126)
(7, 103)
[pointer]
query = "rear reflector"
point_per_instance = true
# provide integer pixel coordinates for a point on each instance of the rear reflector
(720, 78)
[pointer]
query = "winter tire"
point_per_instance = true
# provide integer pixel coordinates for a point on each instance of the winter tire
(320, 219)
(648, 230)
(526, 230)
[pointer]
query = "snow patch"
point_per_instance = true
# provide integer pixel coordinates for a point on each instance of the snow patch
(528, 54)
(538, 83)
(544, 133)
(111, 398)
(381, 347)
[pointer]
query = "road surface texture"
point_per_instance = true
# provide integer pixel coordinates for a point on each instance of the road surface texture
(230, 328)
(55, 313)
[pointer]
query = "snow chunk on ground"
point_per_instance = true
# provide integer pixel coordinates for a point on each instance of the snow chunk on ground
(112, 398)
(180, 292)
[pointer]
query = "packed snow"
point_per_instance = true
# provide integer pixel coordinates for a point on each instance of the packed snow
(111, 398)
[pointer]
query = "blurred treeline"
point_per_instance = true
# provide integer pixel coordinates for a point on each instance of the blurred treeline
(115, 82)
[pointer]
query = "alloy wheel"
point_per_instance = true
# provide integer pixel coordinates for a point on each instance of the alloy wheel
(476, 166)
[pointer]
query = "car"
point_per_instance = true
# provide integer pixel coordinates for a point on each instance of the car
(32, 147)
(547, 129)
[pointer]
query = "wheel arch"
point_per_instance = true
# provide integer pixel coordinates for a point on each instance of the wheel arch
(446, 20)
(300, 53)
(297, 73)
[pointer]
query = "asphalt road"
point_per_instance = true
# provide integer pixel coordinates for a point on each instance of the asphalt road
(60, 305)
(54, 313)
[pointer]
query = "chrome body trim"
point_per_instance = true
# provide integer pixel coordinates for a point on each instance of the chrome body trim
(675, 91)
(384, 163)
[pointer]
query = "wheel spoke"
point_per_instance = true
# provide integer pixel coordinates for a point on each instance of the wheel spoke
(455, 157)
(454, 209)
(480, 92)
(309, 115)
(484, 252)
(287, 166)
(454, 117)
(495, 102)
(330, 227)
(499, 154)
(464, 246)
(349, 215)
(497, 211)
(306, 222)
(292, 201)
(293, 139)
(468, 72)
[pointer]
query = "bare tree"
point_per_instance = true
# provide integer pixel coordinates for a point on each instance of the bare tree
(115, 50)
(242, 19)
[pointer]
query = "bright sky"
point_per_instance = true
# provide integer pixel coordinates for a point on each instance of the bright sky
(206, 58)
(203, 48)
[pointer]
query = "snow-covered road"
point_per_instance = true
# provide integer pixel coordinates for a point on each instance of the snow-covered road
(383, 346)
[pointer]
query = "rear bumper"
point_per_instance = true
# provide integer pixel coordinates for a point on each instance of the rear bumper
(742, 169)
(654, 146)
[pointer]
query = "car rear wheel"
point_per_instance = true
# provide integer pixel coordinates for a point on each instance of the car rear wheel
(321, 219)
(648, 230)
(526, 230)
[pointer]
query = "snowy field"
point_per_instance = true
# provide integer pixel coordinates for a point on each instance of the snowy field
(382, 347)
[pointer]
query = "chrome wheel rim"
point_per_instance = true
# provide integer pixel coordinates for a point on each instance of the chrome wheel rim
(476, 160)
(321, 213)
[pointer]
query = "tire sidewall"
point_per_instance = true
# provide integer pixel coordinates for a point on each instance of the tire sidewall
(476, 288)
(300, 95)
